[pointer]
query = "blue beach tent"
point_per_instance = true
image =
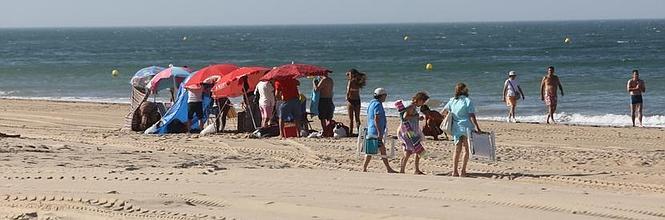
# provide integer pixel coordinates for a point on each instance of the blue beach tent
(175, 119)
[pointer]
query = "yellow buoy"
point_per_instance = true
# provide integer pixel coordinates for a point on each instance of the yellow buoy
(115, 73)
(429, 66)
(568, 40)
(406, 37)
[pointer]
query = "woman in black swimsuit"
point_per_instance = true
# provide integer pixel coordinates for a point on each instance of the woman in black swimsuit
(356, 81)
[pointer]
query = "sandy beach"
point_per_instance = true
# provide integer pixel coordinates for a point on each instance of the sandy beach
(73, 162)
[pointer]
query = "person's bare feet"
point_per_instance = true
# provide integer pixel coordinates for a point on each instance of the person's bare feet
(463, 174)
(454, 174)
(418, 172)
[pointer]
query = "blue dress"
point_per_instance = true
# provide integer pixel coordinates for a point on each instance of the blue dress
(460, 109)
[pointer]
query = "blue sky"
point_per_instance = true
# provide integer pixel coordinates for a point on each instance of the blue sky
(63, 13)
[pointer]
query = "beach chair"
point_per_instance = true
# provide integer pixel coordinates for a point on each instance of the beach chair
(482, 145)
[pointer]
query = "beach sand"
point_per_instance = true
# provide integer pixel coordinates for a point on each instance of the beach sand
(73, 162)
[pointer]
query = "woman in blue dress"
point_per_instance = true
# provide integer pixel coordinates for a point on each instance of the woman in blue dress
(464, 122)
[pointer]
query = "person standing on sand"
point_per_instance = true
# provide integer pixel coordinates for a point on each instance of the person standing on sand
(511, 92)
(636, 87)
(266, 93)
(287, 89)
(548, 89)
(412, 116)
(326, 106)
(376, 126)
(356, 81)
(464, 121)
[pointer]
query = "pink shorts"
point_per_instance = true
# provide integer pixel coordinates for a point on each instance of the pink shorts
(266, 111)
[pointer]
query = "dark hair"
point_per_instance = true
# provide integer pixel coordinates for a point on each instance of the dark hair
(378, 96)
(356, 77)
(461, 90)
(636, 72)
(424, 108)
(420, 96)
(551, 67)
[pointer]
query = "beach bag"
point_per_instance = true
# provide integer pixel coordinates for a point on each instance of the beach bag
(340, 131)
(371, 145)
(447, 125)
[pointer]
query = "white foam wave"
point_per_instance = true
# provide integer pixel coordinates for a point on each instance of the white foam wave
(562, 118)
(6, 93)
(596, 120)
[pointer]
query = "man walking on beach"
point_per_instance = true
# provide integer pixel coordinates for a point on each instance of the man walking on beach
(376, 126)
(511, 93)
(326, 105)
(636, 87)
(548, 89)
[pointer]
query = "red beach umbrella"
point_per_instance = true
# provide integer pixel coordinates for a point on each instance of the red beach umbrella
(295, 71)
(231, 85)
(212, 70)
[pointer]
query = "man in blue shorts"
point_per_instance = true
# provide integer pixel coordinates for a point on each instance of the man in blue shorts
(289, 110)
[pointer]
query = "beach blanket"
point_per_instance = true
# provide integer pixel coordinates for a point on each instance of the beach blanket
(314, 104)
(410, 138)
(409, 134)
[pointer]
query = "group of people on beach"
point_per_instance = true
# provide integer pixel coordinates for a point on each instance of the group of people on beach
(551, 84)
(281, 99)
(460, 108)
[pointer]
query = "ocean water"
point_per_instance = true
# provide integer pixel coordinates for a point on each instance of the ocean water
(76, 63)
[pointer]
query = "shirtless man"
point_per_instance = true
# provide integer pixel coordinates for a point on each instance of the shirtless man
(548, 89)
(636, 87)
(326, 105)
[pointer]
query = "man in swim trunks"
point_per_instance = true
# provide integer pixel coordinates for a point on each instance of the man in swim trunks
(548, 89)
(636, 87)
(326, 105)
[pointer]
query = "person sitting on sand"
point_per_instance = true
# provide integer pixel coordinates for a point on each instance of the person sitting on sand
(433, 120)
(464, 121)
(412, 145)
(511, 93)
(636, 87)
(376, 126)
(326, 106)
(356, 81)
(548, 88)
